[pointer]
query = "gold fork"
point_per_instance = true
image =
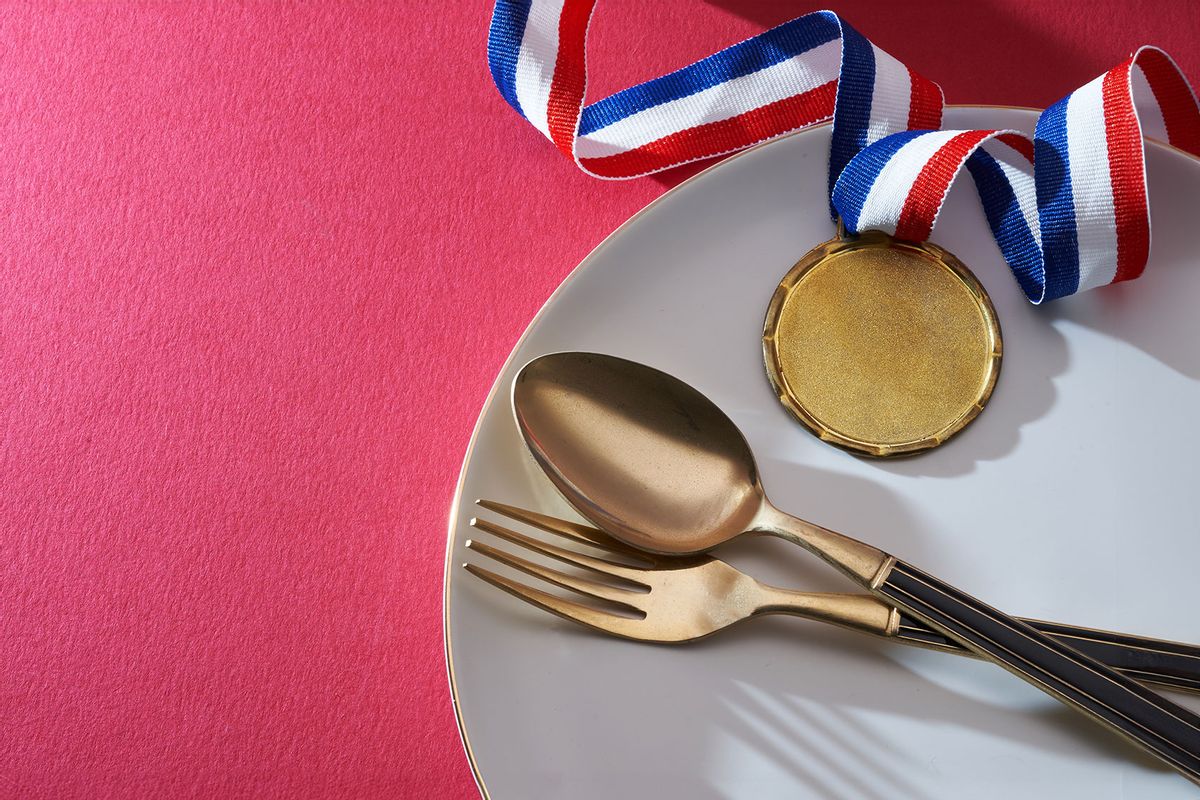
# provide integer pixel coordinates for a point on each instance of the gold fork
(671, 599)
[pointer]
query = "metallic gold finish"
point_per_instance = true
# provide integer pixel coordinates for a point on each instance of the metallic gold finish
(673, 599)
(654, 462)
(882, 347)
(449, 563)
(885, 569)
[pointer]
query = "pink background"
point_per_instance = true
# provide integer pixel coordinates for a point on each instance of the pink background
(260, 266)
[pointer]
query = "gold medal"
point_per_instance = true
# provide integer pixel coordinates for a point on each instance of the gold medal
(882, 347)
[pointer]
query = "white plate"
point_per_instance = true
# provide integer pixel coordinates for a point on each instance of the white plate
(1073, 498)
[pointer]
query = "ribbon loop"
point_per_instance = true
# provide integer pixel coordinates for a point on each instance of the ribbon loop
(809, 70)
(1068, 208)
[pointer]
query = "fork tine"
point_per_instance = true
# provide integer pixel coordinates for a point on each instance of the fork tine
(584, 534)
(600, 565)
(567, 609)
(620, 597)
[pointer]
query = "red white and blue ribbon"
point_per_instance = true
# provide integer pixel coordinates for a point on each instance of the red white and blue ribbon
(1068, 207)
(809, 70)
(1079, 219)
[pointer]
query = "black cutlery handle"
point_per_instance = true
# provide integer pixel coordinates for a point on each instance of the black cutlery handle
(1165, 663)
(1162, 728)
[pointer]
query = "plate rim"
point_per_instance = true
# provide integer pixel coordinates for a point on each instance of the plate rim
(456, 503)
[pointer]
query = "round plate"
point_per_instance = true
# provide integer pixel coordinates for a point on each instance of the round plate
(883, 347)
(1072, 498)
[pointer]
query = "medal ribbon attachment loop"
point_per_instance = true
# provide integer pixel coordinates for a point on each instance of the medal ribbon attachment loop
(1068, 207)
(1076, 220)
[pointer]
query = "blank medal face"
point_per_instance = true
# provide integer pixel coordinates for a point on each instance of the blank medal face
(882, 347)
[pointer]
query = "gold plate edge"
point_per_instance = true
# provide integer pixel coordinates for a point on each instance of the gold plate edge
(457, 501)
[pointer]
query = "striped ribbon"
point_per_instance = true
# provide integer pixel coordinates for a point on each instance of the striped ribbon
(1080, 219)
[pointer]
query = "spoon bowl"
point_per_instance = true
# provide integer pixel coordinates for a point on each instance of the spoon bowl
(639, 452)
(653, 462)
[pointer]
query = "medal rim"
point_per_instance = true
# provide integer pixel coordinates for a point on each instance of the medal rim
(866, 241)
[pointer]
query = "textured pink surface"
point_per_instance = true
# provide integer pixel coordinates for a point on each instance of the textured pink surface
(260, 265)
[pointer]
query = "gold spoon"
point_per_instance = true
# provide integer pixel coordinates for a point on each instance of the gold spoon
(654, 463)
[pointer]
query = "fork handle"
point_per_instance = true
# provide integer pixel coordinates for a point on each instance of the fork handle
(1164, 729)
(1171, 664)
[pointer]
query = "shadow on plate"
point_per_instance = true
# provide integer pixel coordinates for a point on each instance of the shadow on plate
(805, 719)
(826, 715)
(1157, 312)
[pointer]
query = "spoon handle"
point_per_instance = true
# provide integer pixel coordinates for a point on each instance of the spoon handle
(1162, 728)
